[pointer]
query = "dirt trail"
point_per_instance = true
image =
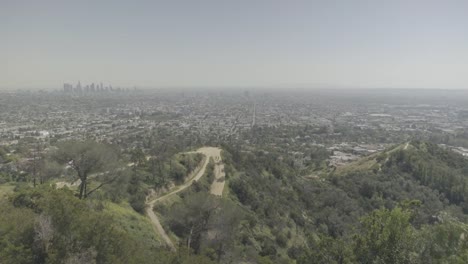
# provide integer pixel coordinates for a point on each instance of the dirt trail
(158, 227)
(62, 184)
(216, 188)
(406, 146)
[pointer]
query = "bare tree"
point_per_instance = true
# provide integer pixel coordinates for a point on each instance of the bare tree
(44, 232)
(87, 157)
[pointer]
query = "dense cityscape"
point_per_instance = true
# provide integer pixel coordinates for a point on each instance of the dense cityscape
(350, 125)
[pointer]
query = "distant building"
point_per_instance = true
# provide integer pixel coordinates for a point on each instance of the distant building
(67, 87)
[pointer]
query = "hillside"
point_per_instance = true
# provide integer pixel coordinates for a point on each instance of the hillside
(406, 204)
(419, 164)
(304, 218)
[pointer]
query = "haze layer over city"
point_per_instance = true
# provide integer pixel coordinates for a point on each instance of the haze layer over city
(234, 131)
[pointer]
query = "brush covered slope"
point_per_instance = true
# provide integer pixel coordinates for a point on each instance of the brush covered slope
(407, 204)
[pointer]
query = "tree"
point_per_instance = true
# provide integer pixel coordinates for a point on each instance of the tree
(222, 227)
(190, 218)
(44, 234)
(49, 169)
(386, 237)
(137, 157)
(86, 157)
(326, 249)
(36, 157)
(159, 179)
(178, 172)
(16, 233)
(210, 171)
(443, 242)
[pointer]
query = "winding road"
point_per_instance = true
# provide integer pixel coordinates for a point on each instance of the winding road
(217, 188)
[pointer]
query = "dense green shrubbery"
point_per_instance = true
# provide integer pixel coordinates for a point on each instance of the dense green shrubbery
(44, 225)
(56, 227)
(272, 215)
(327, 211)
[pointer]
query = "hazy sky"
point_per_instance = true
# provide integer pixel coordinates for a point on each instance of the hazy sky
(351, 43)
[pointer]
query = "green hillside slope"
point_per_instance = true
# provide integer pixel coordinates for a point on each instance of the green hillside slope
(407, 204)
